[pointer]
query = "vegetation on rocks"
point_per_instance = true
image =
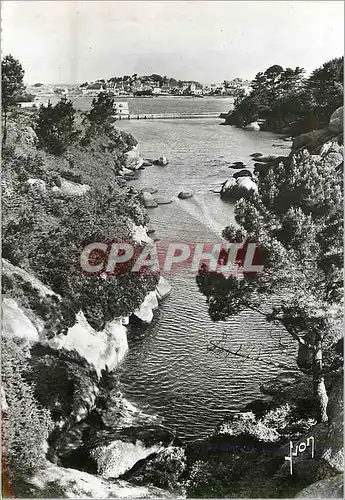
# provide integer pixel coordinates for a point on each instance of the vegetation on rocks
(285, 101)
(45, 228)
(26, 424)
(297, 220)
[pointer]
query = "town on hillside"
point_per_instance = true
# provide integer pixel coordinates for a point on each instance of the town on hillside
(141, 86)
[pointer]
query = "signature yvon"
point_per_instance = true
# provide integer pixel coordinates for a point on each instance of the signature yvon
(300, 449)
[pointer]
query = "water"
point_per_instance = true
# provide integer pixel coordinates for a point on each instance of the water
(169, 104)
(168, 370)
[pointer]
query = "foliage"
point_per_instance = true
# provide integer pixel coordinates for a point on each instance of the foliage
(55, 127)
(45, 232)
(297, 220)
(25, 424)
(12, 74)
(285, 101)
(102, 110)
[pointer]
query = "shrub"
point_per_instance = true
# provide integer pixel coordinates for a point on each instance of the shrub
(25, 425)
(55, 127)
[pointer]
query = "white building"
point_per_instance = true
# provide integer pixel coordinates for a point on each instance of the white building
(121, 108)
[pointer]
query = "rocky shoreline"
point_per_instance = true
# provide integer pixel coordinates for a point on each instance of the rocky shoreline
(102, 446)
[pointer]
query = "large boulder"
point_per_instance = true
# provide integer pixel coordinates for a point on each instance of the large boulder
(15, 323)
(165, 469)
(119, 451)
(242, 173)
(133, 159)
(183, 195)
(254, 127)
(102, 349)
(234, 189)
(336, 121)
(161, 161)
(144, 313)
(148, 200)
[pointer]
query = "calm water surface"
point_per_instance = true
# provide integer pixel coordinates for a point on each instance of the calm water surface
(168, 370)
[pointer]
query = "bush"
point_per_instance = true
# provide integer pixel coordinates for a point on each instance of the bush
(102, 110)
(55, 127)
(25, 425)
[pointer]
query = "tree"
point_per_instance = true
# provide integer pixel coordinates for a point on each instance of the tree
(55, 127)
(102, 110)
(12, 75)
(26, 425)
(297, 220)
(288, 102)
(325, 85)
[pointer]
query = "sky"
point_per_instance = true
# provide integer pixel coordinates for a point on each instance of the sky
(208, 41)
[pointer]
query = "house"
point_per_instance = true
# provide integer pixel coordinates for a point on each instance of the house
(121, 108)
(94, 89)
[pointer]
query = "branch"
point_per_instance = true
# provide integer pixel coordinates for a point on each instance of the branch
(299, 339)
(215, 347)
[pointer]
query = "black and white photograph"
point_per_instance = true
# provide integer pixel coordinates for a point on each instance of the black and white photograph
(172, 249)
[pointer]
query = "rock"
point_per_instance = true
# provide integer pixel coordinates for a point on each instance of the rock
(242, 173)
(183, 195)
(161, 161)
(256, 155)
(37, 184)
(266, 159)
(147, 163)
(164, 469)
(120, 181)
(254, 127)
(149, 189)
(234, 189)
(15, 323)
(148, 200)
(52, 481)
(285, 380)
(145, 312)
(336, 121)
(329, 447)
(123, 448)
(163, 288)
(237, 164)
(139, 234)
(262, 168)
(133, 159)
(106, 348)
(326, 488)
(163, 201)
(73, 188)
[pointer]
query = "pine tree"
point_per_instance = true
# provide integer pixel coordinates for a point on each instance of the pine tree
(12, 75)
(297, 220)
